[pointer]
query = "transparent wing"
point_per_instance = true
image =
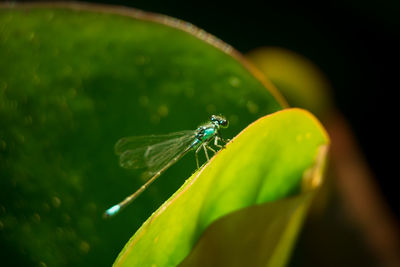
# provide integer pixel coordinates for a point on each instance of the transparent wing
(151, 151)
(158, 155)
(135, 142)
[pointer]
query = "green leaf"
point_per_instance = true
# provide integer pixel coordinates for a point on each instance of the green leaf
(74, 78)
(278, 156)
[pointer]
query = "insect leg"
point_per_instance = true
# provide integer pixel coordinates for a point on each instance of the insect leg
(210, 148)
(216, 142)
(205, 151)
(197, 157)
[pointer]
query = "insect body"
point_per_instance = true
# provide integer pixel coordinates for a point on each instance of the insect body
(205, 134)
(156, 153)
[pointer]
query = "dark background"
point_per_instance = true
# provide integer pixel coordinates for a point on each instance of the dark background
(355, 43)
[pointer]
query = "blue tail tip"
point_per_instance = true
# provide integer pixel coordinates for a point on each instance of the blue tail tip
(112, 211)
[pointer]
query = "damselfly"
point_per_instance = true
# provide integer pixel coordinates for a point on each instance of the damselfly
(156, 153)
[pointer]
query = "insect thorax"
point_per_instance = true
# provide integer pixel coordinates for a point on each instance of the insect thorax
(206, 132)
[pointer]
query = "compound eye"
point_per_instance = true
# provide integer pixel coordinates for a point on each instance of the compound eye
(223, 123)
(213, 118)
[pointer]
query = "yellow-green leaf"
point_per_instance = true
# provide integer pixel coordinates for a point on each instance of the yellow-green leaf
(278, 156)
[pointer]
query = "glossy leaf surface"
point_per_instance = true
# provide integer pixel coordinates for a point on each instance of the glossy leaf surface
(278, 156)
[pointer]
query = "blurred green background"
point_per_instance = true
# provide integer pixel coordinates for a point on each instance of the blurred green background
(68, 95)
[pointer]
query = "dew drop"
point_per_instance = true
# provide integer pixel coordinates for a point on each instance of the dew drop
(50, 16)
(234, 81)
(36, 218)
(84, 247)
(31, 36)
(36, 79)
(21, 138)
(28, 120)
(252, 107)
(3, 145)
(143, 100)
(162, 110)
(3, 86)
(59, 232)
(66, 218)
(55, 201)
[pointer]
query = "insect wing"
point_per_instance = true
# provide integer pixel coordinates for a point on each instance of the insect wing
(135, 142)
(159, 155)
(133, 150)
